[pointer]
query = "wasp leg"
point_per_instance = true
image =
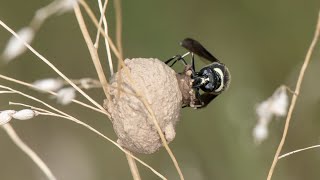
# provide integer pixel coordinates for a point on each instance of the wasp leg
(175, 59)
(197, 102)
(192, 63)
(184, 106)
(169, 60)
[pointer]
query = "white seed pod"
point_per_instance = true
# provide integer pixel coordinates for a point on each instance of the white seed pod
(15, 47)
(280, 102)
(276, 105)
(66, 95)
(132, 123)
(6, 116)
(24, 114)
(263, 110)
(260, 133)
(66, 5)
(49, 84)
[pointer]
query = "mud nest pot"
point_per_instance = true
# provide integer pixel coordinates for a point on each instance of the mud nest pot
(131, 120)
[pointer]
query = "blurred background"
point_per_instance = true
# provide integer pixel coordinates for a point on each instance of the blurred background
(262, 42)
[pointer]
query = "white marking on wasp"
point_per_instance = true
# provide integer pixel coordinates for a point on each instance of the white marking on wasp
(205, 80)
(218, 70)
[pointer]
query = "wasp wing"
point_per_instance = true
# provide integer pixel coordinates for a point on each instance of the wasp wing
(196, 48)
(203, 100)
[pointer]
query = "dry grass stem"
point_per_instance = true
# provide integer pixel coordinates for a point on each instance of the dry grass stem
(117, 7)
(113, 142)
(6, 92)
(102, 78)
(96, 23)
(164, 142)
(52, 66)
(298, 150)
(26, 149)
(105, 24)
(40, 110)
(91, 15)
(102, 16)
(34, 99)
(69, 117)
(87, 83)
(143, 99)
(96, 61)
(131, 162)
(92, 50)
(52, 93)
(133, 167)
(295, 97)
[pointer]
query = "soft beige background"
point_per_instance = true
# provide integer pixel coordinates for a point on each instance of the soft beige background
(262, 42)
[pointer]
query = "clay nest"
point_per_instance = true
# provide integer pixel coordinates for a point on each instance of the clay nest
(131, 121)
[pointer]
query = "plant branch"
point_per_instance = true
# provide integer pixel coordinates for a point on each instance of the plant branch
(75, 120)
(26, 149)
(133, 167)
(92, 50)
(117, 7)
(105, 24)
(52, 93)
(298, 150)
(52, 66)
(96, 23)
(295, 97)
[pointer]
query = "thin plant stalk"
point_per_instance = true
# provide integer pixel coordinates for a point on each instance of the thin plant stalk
(52, 93)
(295, 97)
(26, 149)
(96, 61)
(298, 150)
(91, 15)
(92, 50)
(117, 7)
(102, 16)
(52, 66)
(105, 24)
(96, 23)
(69, 117)
(143, 99)
(133, 167)
(94, 55)
(35, 99)
(113, 142)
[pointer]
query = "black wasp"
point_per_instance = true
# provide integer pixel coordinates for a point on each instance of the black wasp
(212, 79)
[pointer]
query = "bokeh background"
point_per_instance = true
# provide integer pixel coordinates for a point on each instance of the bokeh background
(262, 42)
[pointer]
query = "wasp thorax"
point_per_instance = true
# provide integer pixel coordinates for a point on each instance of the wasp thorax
(131, 120)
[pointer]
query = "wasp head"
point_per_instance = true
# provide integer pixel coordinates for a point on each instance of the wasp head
(214, 78)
